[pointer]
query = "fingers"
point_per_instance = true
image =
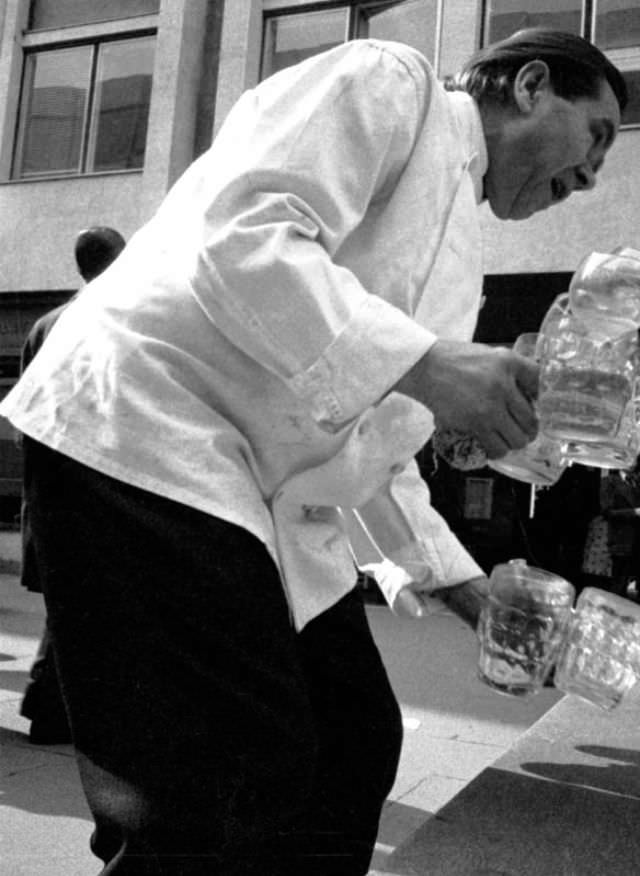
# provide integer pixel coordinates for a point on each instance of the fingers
(408, 603)
(482, 391)
(494, 443)
(523, 415)
(517, 424)
(509, 429)
(507, 432)
(497, 442)
(526, 372)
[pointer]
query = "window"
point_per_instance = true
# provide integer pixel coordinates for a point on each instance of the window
(504, 17)
(412, 22)
(62, 13)
(84, 108)
(613, 25)
(291, 35)
(478, 498)
(291, 38)
(617, 24)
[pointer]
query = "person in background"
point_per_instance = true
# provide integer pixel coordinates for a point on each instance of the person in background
(94, 250)
(612, 548)
(621, 509)
(277, 342)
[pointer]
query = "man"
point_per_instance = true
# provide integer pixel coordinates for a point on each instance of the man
(274, 343)
(94, 250)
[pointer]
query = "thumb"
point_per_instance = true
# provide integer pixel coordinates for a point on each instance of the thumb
(407, 603)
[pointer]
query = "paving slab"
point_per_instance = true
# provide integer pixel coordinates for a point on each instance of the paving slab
(455, 726)
(564, 800)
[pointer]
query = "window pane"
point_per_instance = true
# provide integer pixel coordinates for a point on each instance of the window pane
(292, 38)
(121, 104)
(617, 24)
(412, 22)
(61, 13)
(631, 115)
(53, 110)
(504, 17)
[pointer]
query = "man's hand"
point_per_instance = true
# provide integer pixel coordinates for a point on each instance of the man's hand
(476, 389)
(466, 599)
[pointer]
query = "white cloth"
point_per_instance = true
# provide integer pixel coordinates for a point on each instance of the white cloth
(234, 356)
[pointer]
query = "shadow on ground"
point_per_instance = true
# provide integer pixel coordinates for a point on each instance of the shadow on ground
(39, 780)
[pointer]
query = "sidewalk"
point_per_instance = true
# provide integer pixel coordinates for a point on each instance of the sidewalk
(454, 728)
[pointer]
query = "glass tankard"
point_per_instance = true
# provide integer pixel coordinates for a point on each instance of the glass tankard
(543, 460)
(600, 658)
(619, 452)
(521, 627)
(605, 291)
(587, 380)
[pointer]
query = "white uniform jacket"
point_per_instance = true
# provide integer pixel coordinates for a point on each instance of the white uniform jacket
(239, 355)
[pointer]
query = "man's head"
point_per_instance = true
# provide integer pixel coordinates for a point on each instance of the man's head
(95, 249)
(550, 104)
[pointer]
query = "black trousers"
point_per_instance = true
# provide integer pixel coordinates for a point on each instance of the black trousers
(211, 738)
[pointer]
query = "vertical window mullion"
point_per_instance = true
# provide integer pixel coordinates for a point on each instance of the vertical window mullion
(588, 24)
(88, 132)
(26, 96)
(353, 22)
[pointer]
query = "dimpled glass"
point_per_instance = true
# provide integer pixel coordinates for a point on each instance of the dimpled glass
(619, 452)
(521, 627)
(586, 382)
(600, 658)
(605, 290)
(542, 461)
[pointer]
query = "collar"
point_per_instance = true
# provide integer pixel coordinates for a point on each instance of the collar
(469, 122)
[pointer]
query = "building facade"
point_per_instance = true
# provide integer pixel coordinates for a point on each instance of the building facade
(103, 105)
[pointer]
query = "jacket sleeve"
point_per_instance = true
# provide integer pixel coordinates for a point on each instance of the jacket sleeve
(328, 140)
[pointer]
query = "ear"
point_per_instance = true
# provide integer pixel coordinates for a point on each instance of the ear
(531, 81)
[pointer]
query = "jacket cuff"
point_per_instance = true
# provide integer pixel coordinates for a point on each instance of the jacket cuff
(378, 347)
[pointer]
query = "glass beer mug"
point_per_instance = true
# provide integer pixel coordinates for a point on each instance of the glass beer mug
(619, 452)
(600, 658)
(521, 627)
(605, 291)
(587, 376)
(543, 460)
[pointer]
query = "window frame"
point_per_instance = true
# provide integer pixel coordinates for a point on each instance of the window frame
(627, 59)
(278, 9)
(92, 24)
(51, 39)
(304, 8)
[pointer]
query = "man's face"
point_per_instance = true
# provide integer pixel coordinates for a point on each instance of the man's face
(549, 147)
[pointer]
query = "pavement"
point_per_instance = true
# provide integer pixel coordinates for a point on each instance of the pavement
(454, 728)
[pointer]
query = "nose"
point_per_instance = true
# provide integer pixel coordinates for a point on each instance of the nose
(585, 177)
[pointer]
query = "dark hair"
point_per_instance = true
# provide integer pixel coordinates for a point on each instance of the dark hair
(96, 248)
(577, 68)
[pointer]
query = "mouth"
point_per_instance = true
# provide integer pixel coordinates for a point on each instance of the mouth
(558, 190)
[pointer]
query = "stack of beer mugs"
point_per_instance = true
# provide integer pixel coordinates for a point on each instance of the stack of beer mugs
(589, 395)
(589, 400)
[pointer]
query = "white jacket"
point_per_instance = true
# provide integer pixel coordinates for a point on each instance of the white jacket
(238, 355)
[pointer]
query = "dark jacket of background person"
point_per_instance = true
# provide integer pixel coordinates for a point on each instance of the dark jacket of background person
(95, 249)
(29, 576)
